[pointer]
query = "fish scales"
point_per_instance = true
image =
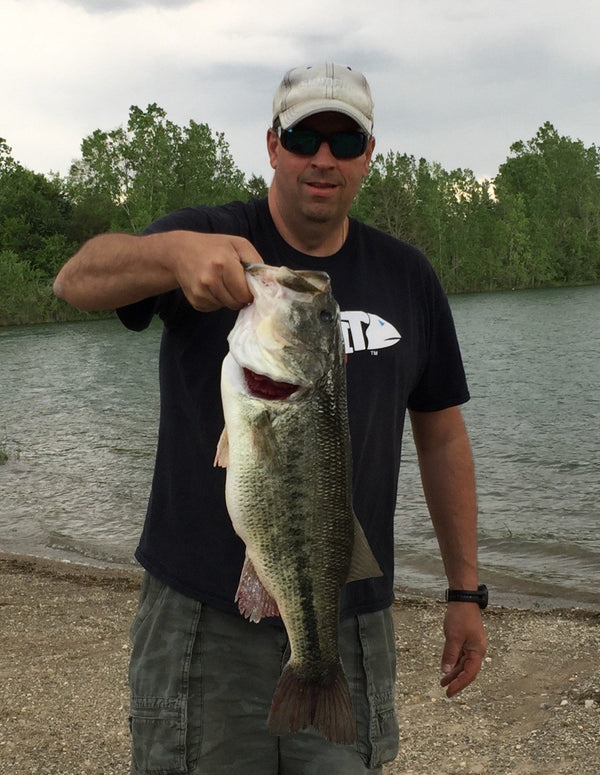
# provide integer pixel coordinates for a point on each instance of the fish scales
(286, 446)
(299, 567)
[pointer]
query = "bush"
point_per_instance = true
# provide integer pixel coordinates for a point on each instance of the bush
(21, 294)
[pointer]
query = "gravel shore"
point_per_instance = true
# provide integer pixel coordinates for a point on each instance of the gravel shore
(63, 695)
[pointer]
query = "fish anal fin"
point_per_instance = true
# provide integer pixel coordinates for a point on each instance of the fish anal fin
(222, 454)
(322, 703)
(254, 602)
(363, 564)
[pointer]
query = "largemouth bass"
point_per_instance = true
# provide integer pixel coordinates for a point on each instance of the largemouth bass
(286, 446)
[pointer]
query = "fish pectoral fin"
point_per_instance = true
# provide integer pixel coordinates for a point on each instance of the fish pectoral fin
(222, 454)
(254, 602)
(265, 440)
(363, 564)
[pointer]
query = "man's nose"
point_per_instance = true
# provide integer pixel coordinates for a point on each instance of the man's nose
(323, 156)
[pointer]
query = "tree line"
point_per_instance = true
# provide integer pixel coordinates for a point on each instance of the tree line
(537, 223)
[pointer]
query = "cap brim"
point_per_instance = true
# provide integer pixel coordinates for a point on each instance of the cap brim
(295, 114)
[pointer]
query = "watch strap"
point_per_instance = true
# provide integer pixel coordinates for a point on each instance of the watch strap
(479, 596)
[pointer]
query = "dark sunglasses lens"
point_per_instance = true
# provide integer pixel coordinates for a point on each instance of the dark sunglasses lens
(347, 145)
(306, 142)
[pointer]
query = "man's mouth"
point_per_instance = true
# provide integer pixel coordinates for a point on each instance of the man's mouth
(320, 184)
(320, 188)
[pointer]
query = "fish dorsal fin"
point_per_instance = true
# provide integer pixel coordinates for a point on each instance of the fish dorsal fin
(363, 564)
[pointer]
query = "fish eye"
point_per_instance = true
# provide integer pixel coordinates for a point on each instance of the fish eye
(326, 316)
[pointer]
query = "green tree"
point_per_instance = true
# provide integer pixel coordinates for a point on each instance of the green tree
(256, 187)
(34, 213)
(387, 197)
(7, 161)
(550, 188)
(205, 171)
(138, 173)
(448, 215)
(21, 293)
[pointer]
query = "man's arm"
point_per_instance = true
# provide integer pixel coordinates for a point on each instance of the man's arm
(448, 478)
(112, 270)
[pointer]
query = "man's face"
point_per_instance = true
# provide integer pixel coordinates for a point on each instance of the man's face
(319, 188)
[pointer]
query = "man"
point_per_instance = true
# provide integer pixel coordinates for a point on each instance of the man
(201, 676)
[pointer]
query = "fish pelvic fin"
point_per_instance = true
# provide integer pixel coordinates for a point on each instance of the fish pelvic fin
(254, 602)
(363, 564)
(323, 703)
(222, 453)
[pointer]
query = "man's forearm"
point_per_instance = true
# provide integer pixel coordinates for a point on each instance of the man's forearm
(448, 479)
(447, 473)
(112, 270)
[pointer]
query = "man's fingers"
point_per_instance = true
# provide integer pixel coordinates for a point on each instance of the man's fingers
(212, 274)
(465, 646)
(247, 252)
(235, 292)
(463, 674)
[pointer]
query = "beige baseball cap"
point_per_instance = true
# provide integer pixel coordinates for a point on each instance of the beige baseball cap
(312, 89)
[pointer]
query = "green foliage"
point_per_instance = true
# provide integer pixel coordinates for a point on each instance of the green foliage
(537, 223)
(125, 178)
(257, 187)
(134, 175)
(550, 193)
(32, 209)
(450, 216)
(21, 293)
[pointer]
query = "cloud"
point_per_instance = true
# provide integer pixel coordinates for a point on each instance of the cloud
(115, 6)
(453, 82)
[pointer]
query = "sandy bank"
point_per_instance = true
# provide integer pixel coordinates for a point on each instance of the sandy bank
(63, 694)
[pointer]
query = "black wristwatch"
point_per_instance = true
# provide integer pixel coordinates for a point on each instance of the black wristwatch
(479, 596)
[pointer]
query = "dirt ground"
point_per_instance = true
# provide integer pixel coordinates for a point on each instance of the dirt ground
(63, 695)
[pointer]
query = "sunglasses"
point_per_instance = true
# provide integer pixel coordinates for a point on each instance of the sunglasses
(306, 142)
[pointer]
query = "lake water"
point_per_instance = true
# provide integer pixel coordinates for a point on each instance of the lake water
(78, 418)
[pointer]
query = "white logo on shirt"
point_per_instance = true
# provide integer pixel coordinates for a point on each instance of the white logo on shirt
(366, 331)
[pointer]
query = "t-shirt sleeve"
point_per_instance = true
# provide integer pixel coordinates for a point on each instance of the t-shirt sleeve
(442, 382)
(173, 307)
(138, 316)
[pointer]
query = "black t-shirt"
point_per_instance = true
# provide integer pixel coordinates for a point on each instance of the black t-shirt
(402, 352)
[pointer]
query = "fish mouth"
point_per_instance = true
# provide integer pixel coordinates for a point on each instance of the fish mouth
(261, 386)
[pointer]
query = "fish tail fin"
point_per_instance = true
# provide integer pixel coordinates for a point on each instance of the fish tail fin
(323, 703)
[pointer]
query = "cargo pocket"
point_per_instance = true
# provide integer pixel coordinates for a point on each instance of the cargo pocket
(376, 634)
(162, 635)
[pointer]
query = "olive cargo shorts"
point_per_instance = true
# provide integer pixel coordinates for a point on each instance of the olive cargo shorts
(201, 685)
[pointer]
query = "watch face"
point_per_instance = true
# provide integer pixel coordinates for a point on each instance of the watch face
(483, 591)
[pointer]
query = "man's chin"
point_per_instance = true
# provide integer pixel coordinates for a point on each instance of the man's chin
(318, 213)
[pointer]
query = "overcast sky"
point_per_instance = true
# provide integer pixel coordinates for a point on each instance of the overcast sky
(454, 81)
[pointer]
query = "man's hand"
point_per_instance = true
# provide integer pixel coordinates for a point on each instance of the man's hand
(209, 269)
(466, 645)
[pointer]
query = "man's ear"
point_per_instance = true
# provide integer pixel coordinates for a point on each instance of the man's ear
(369, 155)
(272, 146)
